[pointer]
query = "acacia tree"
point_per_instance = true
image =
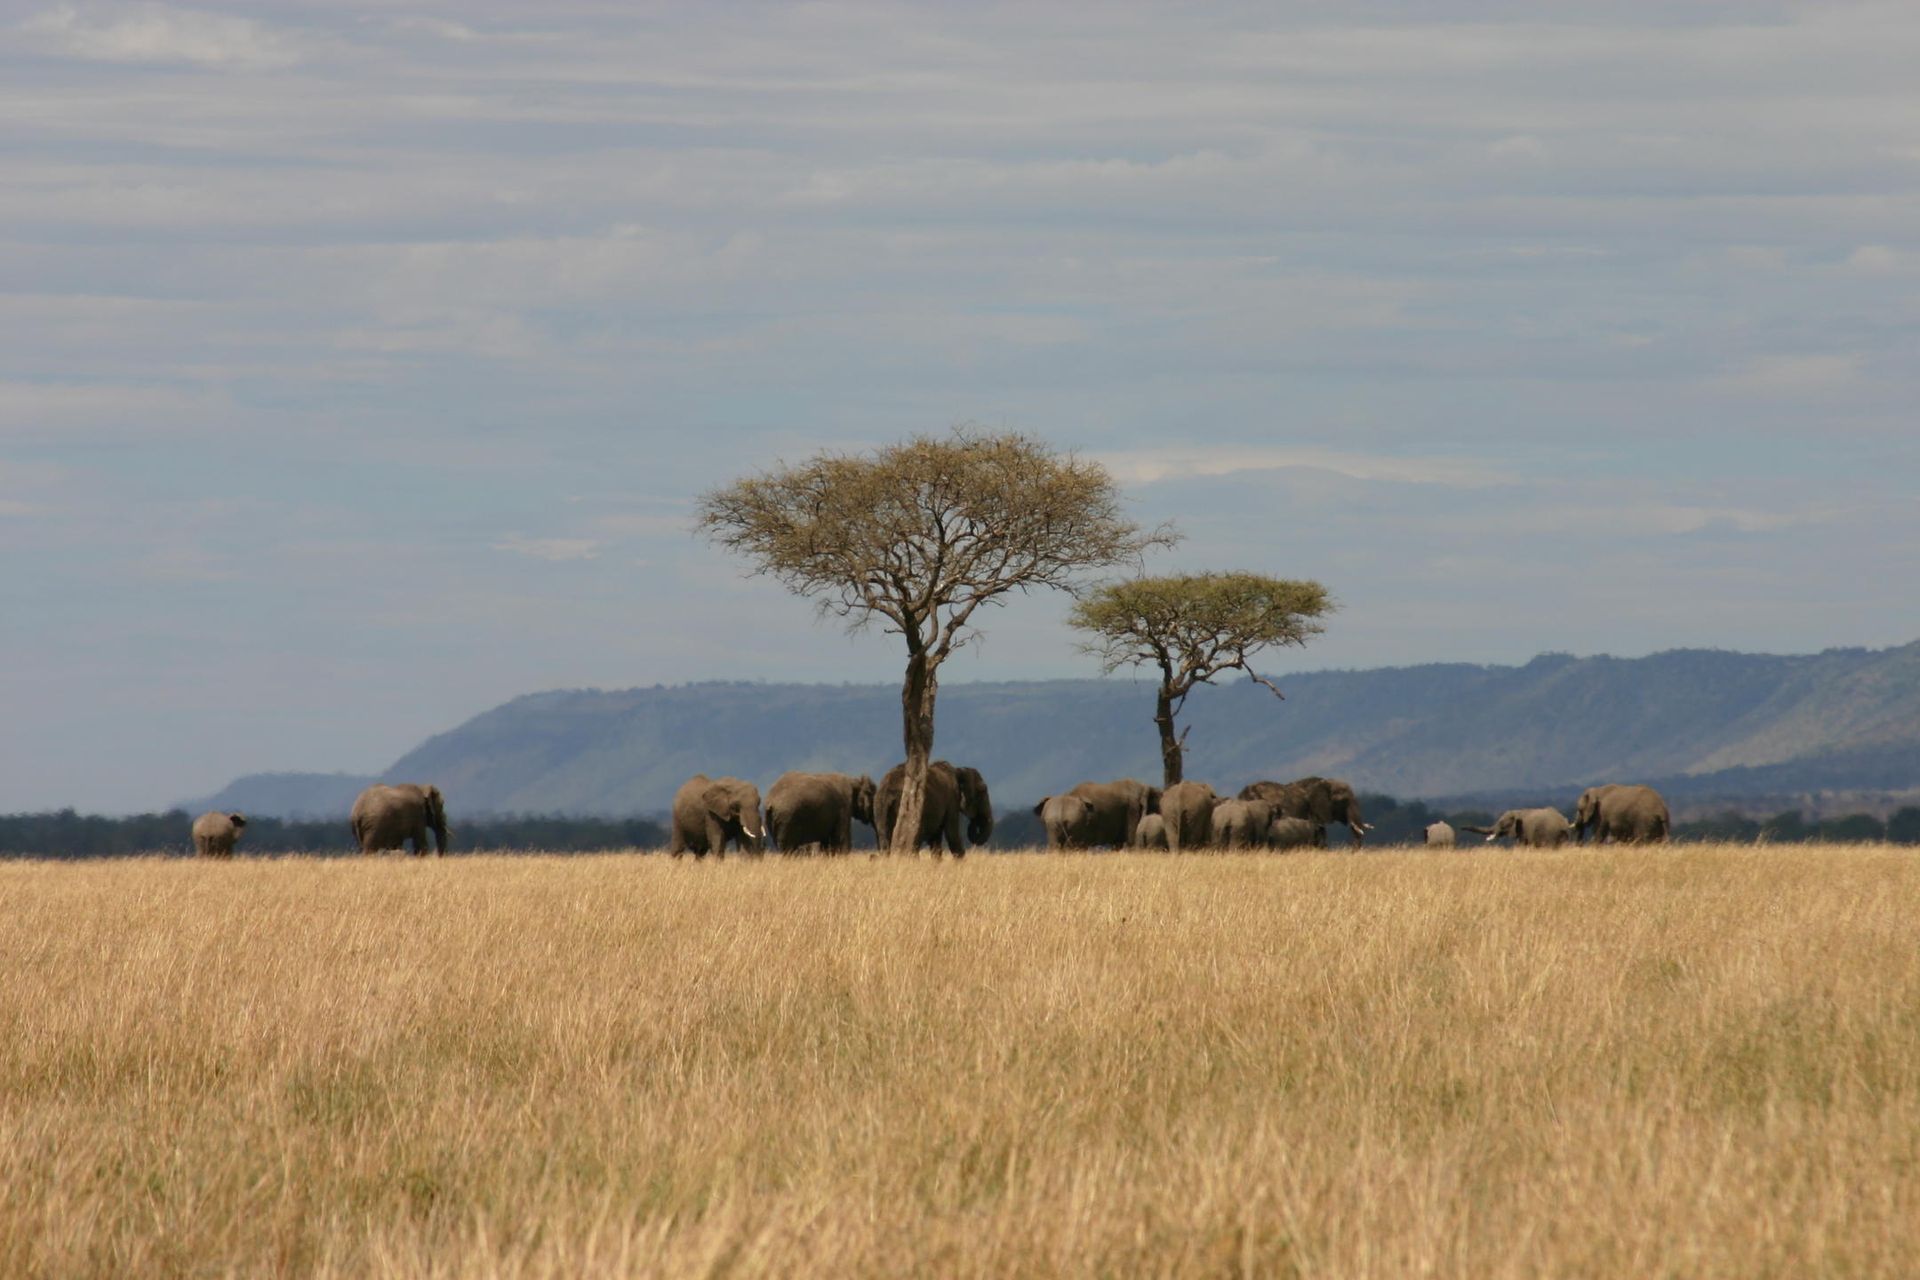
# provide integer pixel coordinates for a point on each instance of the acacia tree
(916, 537)
(1194, 627)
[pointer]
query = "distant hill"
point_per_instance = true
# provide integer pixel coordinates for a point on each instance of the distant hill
(1702, 723)
(285, 795)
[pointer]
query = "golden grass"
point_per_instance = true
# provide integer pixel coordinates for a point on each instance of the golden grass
(1700, 1062)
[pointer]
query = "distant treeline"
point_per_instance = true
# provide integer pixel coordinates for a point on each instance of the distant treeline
(67, 834)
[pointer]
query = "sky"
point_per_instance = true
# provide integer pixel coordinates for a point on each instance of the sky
(360, 362)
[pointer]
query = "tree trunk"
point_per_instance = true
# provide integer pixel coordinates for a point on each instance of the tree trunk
(1172, 758)
(916, 720)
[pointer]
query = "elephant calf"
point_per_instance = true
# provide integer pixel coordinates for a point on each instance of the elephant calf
(1069, 822)
(1242, 824)
(710, 812)
(1151, 833)
(215, 834)
(1439, 835)
(1296, 833)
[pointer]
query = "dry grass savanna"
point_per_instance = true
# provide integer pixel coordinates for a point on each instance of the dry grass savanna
(1686, 1061)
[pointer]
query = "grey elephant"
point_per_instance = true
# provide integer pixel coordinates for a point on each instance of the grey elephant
(1068, 820)
(1242, 824)
(215, 834)
(708, 813)
(1187, 808)
(817, 809)
(1530, 828)
(1439, 835)
(1346, 808)
(1116, 809)
(1309, 798)
(1296, 833)
(388, 816)
(1151, 833)
(953, 792)
(1623, 814)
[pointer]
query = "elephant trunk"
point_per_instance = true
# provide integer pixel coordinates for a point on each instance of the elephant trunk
(440, 842)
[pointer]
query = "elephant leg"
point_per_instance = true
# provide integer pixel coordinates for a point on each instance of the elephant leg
(716, 838)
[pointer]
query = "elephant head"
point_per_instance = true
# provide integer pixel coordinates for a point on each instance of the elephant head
(975, 803)
(862, 796)
(436, 816)
(238, 820)
(735, 805)
(1587, 812)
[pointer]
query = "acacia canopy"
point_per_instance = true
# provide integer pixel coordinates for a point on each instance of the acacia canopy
(918, 535)
(1193, 627)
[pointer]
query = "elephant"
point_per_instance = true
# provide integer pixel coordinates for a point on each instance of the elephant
(1532, 828)
(1117, 808)
(1439, 836)
(1623, 814)
(1318, 800)
(1309, 798)
(1242, 824)
(387, 817)
(1187, 808)
(953, 791)
(817, 808)
(708, 812)
(214, 834)
(1151, 833)
(1068, 820)
(1296, 833)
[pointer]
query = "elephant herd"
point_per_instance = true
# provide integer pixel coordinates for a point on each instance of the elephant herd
(1191, 815)
(817, 811)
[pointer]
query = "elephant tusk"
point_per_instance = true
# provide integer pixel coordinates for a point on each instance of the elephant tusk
(1491, 838)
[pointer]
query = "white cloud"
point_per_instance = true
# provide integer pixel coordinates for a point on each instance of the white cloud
(163, 34)
(556, 550)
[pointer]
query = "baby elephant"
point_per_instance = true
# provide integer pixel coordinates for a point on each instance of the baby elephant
(1151, 833)
(1296, 833)
(1439, 835)
(215, 834)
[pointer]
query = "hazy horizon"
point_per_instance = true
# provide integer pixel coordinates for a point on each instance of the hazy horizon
(362, 364)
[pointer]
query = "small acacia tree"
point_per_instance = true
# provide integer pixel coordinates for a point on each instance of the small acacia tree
(1193, 627)
(916, 537)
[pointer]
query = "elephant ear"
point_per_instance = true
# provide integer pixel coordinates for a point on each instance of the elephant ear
(237, 819)
(1042, 805)
(717, 800)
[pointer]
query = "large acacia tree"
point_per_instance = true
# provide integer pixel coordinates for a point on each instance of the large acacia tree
(916, 537)
(1193, 627)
